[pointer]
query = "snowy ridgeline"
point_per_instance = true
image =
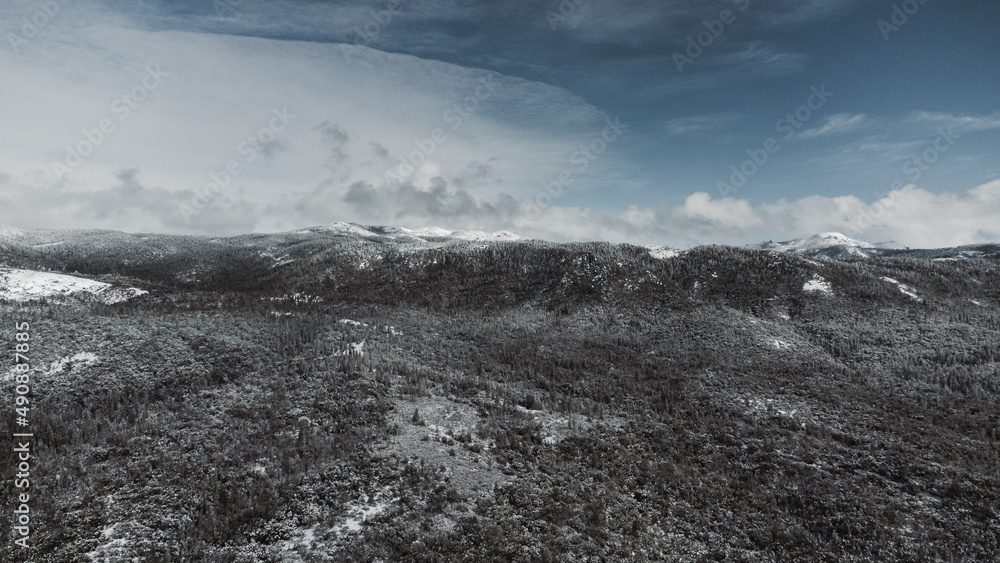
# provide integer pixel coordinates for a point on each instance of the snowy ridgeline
(24, 285)
(421, 235)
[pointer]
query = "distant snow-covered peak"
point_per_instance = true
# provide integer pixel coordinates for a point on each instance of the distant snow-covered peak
(483, 235)
(831, 243)
(428, 232)
(837, 238)
(471, 235)
(824, 240)
(834, 236)
(423, 234)
(348, 228)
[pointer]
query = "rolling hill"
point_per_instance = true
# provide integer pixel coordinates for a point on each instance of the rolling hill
(350, 392)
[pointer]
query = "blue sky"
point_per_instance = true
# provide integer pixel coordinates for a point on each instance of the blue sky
(579, 120)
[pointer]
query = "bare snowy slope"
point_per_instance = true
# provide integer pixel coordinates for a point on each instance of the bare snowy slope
(23, 285)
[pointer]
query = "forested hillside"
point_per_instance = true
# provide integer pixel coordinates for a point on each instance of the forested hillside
(322, 396)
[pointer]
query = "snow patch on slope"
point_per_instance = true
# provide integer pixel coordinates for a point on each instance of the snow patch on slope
(662, 252)
(80, 358)
(352, 349)
(86, 358)
(904, 289)
(24, 285)
(112, 295)
(357, 514)
(819, 285)
(360, 513)
(768, 408)
(113, 549)
(6, 231)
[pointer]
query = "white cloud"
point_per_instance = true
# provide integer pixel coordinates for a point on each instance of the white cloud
(356, 115)
(960, 122)
(221, 89)
(609, 21)
(699, 124)
(838, 123)
(32, 202)
(725, 214)
(732, 63)
(909, 216)
(871, 144)
(766, 59)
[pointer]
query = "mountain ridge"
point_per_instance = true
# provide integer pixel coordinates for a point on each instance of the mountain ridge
(360, 397)
(821, 245)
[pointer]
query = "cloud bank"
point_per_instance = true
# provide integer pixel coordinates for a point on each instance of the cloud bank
(909, 215)
(236, 116)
